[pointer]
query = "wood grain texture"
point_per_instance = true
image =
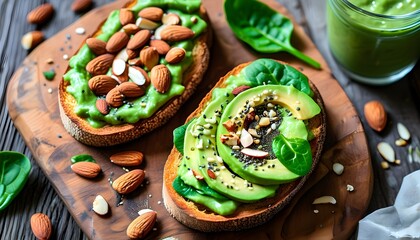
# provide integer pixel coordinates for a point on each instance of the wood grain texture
(39, 195)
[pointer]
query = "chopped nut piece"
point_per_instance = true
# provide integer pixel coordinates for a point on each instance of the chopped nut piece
(400, 142)
(325, 199)
(338, 168)
(384, 165)
(397, 161)
(350, 188)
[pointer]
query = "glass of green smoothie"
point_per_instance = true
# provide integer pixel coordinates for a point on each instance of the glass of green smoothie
(375, 41)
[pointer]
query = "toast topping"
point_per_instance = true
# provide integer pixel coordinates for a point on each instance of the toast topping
(133, 53)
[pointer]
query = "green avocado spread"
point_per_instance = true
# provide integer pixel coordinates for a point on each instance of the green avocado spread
(145, 106)
(246, 143)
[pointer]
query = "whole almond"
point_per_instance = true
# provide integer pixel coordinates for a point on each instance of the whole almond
(139, 76)
(40, 14)
(101, 84)
(100, 65)
(115, 98)
(127, 158)
(81, 5)
(86, 169)
(117, 42)
(41, 226)
(131, 90)
(126, 16)
(161, 46)
(160, 77)
(97, 46)
(102, 106)
(175, 33)
(149, 57)
(152, 13)
(129, 181)
(32, 39)
(131, 28)
(142, 225)
(375, 115)
(139, 39)
(175, 55)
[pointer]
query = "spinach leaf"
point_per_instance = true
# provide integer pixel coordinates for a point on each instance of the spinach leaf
(263, 28)
(267, 71)
(179, 135)
(14, 171)
(294, 153)
(82, 158)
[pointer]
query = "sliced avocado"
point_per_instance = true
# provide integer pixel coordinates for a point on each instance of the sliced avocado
(200, 156)
(299, 105)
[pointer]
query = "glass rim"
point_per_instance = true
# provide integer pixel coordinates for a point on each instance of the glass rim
(403, 16)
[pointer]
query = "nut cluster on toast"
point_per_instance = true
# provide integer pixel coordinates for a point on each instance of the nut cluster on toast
(133, 54)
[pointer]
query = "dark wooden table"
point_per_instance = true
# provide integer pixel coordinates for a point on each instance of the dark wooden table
(401, 101)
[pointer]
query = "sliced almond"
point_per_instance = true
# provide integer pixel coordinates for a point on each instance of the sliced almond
(118, 66)
(132, 53)
(325, 199)
(240, 89)
(114, 98)
(403, 131)
(139, 39)
(157, 32)
(127, 158)
(135, 62)
(152, 13)
(97, 46)
(176, 33)
(126, 16)
(246, 138)
(149, 57)
(122, 55)
(254, 153)
(131, 90)
(129, 181)
(142, 225)
(386, 151)
(101, 84)
(175, 55)
(138, 76)
(86, 169)
(160, 77)
(171, 19)
(131, 28)
(100, 205)
(161, 46)
(117, 42)
(100, 65)
(144, 23)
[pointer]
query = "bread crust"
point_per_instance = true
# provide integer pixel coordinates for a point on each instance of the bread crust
(110, 135)
(247, 215)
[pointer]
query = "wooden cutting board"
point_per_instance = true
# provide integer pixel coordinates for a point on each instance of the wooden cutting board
(33, 106)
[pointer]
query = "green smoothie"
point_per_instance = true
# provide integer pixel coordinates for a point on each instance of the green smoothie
(377, 42)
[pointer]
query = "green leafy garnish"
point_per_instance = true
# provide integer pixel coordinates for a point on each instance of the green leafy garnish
(263, 28)
(82, 158)
(14, 171)
(267, 71)
(294, 153)
(179, 135)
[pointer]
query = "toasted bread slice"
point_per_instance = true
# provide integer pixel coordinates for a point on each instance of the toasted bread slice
(109, 134)
(247, 215)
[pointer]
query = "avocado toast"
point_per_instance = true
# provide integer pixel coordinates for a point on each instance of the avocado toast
(135, 72)
(246, 150)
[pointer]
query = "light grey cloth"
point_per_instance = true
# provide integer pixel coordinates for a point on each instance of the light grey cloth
(401, 221)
